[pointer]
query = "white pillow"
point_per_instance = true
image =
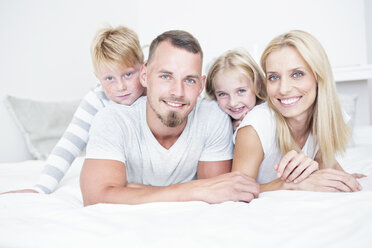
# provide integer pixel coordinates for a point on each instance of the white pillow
(41, 123)
(348, 105)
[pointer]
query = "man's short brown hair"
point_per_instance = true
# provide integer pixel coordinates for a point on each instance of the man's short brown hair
(179, 39)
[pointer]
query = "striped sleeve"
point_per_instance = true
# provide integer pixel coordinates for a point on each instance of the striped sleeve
(72, 142)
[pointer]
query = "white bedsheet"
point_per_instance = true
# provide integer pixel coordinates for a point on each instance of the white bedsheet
(275, 219)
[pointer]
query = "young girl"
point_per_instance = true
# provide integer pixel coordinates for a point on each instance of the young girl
(301, 120)
(236, 82)
(117, 57)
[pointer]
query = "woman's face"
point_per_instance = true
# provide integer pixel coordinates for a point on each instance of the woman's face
(291, 85)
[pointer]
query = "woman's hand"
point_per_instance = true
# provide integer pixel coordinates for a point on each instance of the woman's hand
(358, 175)
(329, 180)
(295, 167)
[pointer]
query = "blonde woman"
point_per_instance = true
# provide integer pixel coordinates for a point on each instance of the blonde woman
(290, 142)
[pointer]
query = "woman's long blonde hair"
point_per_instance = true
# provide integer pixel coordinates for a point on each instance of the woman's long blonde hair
(329, 130)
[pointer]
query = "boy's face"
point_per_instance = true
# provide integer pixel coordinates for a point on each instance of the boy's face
(120, 83)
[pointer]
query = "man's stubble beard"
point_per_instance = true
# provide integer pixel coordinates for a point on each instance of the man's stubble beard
(171, 119)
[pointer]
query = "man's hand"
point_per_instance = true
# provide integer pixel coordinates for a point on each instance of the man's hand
(104, 181)
(295, 167)
(330, 180)
(233, 186)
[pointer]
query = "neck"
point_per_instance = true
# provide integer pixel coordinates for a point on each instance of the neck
(300, 128)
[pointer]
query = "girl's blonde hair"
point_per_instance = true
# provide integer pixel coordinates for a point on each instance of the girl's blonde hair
(118, 45)
(241, 61)
(329, 130)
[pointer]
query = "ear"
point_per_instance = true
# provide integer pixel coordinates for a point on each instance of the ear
(143, 74)
(95, 74)
(202, 84)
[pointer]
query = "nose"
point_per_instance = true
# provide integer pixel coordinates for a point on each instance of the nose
(177, 89)
(233, 102)
(121, 85)
(285, 86)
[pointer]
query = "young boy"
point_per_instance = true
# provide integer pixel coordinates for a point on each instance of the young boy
(117, 57)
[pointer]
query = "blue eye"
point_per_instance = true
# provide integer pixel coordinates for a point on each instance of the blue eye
(273, 78)
(190, 81)
(222, 94)
(109, 78)
(128, 75)
(164, 76)
(242, 91)
(297, 74)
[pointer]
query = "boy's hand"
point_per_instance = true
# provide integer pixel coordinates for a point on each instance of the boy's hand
(295, 167)
(20, 191)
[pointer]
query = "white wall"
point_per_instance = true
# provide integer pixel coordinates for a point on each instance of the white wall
(368, 15)
(44, 44)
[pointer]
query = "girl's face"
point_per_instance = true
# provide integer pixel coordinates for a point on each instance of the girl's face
(234, 93)
(291, 85)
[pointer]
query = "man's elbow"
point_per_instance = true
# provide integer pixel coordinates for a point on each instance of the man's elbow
(94, 196)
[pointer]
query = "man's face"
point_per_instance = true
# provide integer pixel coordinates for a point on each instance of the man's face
(174, 82)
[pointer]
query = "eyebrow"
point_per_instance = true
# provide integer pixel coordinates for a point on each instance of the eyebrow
(293, 69)
(165, 71)
(171, 73)
(193, 76)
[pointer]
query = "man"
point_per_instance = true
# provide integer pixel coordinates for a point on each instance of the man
(152, 150)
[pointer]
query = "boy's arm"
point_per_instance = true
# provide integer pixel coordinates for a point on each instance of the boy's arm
(70, 145)
(104, 181)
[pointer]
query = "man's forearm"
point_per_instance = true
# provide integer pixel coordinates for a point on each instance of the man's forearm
(233, 186)
(139, 194)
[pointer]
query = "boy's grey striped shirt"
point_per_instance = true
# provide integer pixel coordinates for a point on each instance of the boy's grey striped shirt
(72, 142)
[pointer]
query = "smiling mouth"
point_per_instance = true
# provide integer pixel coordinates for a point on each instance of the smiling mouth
(289, 101)
(176, 105)
(237, 110)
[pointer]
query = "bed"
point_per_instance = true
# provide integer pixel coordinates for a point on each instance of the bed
(280, 219)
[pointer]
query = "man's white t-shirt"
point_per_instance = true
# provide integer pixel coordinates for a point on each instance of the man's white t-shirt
(121, 133)
(262, 119)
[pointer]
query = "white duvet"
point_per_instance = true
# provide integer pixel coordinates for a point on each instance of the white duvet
(275, 219)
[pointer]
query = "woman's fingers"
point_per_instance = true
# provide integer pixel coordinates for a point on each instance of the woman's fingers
(286, 159)
(343, 177)
(295, 166)
(304, 170)
(358, 175)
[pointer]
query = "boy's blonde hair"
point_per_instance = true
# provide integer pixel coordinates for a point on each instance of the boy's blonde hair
(329, 130)
(243, 63)
(118, 45)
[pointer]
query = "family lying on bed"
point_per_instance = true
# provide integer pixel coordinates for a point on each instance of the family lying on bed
(153, 138)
